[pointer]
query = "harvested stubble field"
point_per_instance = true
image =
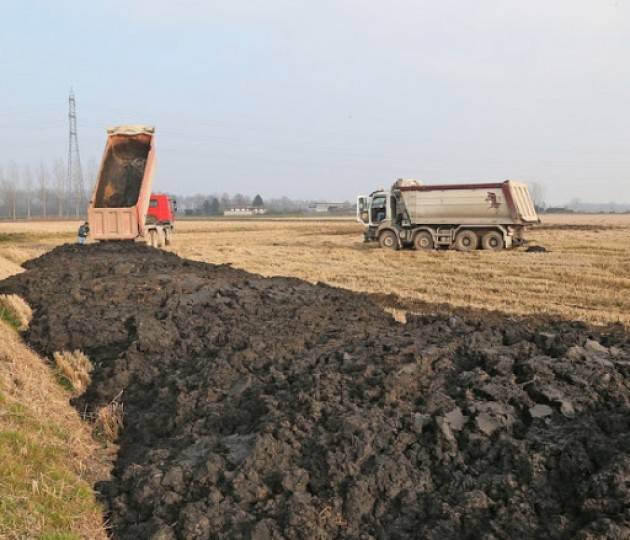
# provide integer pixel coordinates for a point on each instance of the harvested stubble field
(585, 275)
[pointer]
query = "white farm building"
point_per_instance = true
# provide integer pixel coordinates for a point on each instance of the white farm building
(245, 211)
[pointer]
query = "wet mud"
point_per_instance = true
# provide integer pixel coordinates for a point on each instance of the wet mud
(268, 408)
(123, 170)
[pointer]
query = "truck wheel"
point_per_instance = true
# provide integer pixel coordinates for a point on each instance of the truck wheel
(492, 240)
(466, 240)
(387, 239)
(153, 238)
(160, 239)
(167, 237)
(423, 241)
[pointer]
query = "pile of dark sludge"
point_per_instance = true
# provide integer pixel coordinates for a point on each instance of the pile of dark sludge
(272, 408)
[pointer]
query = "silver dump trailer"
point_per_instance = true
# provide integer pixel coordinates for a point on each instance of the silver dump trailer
(461, 216)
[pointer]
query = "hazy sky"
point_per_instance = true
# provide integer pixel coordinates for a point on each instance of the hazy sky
(324, 99)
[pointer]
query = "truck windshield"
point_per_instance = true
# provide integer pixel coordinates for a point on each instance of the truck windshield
(378, 209)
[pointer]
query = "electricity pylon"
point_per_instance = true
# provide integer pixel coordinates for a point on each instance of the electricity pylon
(75, 173)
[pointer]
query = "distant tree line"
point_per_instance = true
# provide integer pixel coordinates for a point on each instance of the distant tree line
(43, 190)
(537, 192)
(215, 204)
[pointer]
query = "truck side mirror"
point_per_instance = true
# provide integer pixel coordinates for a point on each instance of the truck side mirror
(362, 210)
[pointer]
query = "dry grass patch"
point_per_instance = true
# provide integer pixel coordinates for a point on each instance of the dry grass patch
(399, 315)
(8, 268)
(23, 240)
(109, 420)
(48, 459)
(75, 367)
(15, 311)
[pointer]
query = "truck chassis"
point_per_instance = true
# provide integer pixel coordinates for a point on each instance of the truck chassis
(157, 235)
(461, 237)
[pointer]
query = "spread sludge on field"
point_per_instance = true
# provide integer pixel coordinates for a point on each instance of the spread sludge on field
(272, 408)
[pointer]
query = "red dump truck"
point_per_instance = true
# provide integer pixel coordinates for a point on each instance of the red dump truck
(122, 206)
(465, 217)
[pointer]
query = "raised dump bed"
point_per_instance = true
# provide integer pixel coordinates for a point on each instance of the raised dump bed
(120, 201)
(506, 203)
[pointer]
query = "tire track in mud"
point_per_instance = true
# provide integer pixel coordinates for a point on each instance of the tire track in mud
(272, 408)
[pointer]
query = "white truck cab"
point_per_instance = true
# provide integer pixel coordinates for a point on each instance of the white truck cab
(373, 209)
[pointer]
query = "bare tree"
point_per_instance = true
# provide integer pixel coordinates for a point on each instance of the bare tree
(537, 192)
(91, 172)
(12, 188)
(28, 188)
(4, 189)
(59, 170)
(241, 200)
(226, 201)
(42, 178)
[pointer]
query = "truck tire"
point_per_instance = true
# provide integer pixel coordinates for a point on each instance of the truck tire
(167, 237)
(388, 239)
(423, 241)
(160, 238)
(492, 240)
(153, 238)
(466, 240)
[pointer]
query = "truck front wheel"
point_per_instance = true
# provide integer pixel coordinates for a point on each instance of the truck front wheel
(423, 241)
(153, 238)
(492, 240)
(466, 240)
(387, 239)
(160, 238)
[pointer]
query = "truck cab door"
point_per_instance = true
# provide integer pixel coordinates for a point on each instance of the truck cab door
(363, 210)
(378, 209)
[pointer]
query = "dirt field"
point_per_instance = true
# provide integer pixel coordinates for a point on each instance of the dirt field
(260, 408)
(584, 276)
